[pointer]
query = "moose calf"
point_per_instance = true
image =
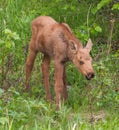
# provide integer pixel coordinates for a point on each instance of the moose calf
(56, 41)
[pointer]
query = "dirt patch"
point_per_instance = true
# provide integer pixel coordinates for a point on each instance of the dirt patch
(94, 117)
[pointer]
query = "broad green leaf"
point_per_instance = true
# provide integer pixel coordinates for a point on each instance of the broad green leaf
(100, 5)
(3, 120)
(13, 44)
(115, 6)
(103, 3)
(8, 45)
(8, 31)
(15, 36)
(98, 29)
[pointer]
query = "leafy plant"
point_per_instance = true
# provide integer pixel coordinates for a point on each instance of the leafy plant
(7, 47)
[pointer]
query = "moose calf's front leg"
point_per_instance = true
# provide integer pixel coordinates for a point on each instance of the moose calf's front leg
(65, 94)
(58, 82)
(45, 71)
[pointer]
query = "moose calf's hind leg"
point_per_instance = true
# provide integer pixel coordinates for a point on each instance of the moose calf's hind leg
(45, 71)
(29, 65)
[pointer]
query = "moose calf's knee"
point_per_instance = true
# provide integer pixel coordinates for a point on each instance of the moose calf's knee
(59, 87)
(29, 64)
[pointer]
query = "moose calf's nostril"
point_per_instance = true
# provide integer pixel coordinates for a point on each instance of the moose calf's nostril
(90, 75)
(93, 75)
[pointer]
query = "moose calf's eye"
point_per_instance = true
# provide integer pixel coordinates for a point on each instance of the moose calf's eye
(81, 62)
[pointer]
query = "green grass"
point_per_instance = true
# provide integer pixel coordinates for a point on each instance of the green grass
(24, 112)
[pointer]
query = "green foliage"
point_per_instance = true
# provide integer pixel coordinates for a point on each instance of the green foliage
(115, 6)
(101, 4)
(30, 111)
(7, 45)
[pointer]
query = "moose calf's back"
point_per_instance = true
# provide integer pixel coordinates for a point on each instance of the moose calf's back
(50, 36)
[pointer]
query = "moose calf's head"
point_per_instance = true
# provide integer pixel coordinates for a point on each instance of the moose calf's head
(82, 59)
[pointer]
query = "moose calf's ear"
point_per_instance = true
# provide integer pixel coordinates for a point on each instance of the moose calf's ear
(73, 46)
(89, 45)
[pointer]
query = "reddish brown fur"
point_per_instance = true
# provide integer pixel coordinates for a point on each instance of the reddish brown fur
(56, 41)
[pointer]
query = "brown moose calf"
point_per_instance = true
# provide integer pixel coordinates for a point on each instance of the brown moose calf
(56, 40)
